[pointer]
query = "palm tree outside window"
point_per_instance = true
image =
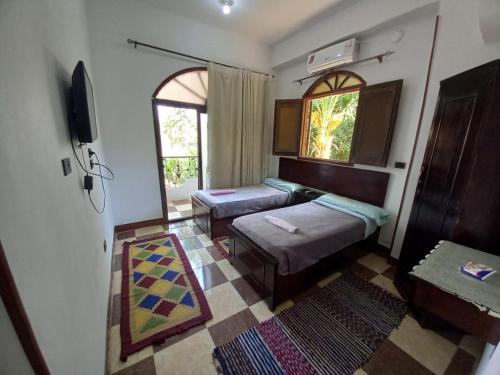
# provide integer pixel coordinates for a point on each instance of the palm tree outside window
(329, 121)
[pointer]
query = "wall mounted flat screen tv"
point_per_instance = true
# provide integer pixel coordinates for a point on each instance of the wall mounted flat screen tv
(84, 119)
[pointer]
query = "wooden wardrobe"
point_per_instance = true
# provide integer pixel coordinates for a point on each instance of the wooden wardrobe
(458, 193)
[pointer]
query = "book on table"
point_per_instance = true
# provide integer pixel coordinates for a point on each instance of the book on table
(477, 270)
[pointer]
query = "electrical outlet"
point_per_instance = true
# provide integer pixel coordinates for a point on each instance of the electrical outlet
(66, 164)
(105, 245)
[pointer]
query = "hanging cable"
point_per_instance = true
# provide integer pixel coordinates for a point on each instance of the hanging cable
(88, 184)
(83, 166)
(103, 191)
(109, 170)
(101, 165)
(80, 146)
(74, 151)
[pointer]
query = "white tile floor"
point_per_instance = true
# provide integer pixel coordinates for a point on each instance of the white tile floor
(179, 209)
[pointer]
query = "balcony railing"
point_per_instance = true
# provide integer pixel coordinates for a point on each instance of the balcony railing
(178, 169)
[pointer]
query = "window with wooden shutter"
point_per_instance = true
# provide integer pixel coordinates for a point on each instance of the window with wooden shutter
(376, 116)
(287, 120)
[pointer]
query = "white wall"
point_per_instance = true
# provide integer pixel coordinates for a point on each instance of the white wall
(408, 63)
(52, 237)
(126, 79)
(359, 17)
(459, 47)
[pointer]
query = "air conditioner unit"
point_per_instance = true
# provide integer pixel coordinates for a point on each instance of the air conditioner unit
(338, 54)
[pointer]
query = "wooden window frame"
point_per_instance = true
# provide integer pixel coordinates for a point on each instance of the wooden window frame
(306, 113)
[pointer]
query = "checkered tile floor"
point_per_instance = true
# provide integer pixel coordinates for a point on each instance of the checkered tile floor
(179, 209)
(236, 307)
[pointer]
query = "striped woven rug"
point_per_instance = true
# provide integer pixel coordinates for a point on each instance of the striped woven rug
(333, 331)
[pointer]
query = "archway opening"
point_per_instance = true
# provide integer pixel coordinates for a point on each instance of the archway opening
(180, 116)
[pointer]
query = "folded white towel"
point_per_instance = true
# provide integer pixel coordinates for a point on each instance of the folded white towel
(282, 224)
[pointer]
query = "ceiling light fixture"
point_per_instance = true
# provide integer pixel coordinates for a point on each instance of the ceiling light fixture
(226, 5)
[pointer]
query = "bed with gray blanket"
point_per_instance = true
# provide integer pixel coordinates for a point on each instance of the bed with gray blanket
(322, 231)
(245, 200)
(277, 248)
(213, 212)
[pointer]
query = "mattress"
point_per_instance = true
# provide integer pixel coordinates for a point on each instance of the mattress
(246, 200)
(322, 232)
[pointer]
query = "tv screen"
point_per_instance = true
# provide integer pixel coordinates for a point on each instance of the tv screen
(83, 105)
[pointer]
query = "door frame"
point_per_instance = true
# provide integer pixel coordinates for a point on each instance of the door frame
(19, 318)
(159, 157)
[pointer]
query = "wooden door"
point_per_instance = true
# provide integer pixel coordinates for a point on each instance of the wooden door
(194, 115)
(447, 165)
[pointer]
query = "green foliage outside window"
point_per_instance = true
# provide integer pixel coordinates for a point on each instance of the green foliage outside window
(332, 126)
(181, 137)
(180, 132)
(178, 170)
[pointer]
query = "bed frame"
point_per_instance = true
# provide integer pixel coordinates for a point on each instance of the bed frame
(204, 217)
(260, 268)
(212, 226)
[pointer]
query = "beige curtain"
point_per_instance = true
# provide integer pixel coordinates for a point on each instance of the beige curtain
(238, 127)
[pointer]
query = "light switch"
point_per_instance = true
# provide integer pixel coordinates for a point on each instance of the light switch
(66, 164)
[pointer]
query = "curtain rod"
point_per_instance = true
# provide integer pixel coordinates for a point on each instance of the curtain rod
(379, 57)
(137, 43)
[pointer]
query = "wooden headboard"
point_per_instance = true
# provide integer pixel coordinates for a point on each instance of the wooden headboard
(360, 184)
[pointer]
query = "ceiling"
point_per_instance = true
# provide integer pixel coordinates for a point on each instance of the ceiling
(265, 20)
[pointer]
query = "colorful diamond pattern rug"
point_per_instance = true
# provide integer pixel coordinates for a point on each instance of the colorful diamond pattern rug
(222, 244)
(161, 296)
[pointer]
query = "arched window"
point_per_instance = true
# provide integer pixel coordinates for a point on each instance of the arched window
(186, 86)
(329, 117)
(180, 116)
